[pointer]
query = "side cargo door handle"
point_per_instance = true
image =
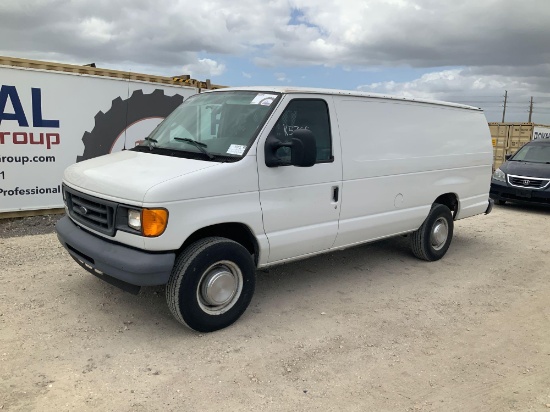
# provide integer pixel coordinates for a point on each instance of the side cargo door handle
(335, 192)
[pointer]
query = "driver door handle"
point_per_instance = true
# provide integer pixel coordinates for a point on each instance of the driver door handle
(335, 193)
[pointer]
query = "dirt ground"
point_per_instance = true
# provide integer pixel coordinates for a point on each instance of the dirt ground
(366, 329)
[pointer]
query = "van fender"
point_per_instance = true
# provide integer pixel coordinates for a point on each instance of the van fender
(236, 231)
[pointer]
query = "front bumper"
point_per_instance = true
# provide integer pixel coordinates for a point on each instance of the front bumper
(514, 194)
(115, 263)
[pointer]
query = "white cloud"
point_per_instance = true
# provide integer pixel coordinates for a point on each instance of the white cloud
(96, 29)
(281, 77)
(499, 41)
(423, 33)
(247, 75)
(204, 68)
(480, 88)
(442, 83)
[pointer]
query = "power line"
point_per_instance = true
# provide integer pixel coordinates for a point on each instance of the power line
(476, 101)
(477, 95)
(516, 108)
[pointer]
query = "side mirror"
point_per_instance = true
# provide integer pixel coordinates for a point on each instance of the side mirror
(303, 149)
(507, 157)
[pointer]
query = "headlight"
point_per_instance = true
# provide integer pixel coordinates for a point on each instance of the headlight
(499, 175)
(134, 219)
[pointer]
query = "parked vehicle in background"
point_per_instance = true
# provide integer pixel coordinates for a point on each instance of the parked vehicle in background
(246, 178)
(525, 176)
(507, 138)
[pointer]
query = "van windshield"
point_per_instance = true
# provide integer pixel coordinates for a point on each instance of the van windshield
(214, 125)
(534, 153)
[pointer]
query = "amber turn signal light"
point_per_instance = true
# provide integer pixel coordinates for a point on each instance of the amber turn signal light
(153, 222)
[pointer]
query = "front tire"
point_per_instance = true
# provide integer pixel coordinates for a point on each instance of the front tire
(212, 284)
(432, 240)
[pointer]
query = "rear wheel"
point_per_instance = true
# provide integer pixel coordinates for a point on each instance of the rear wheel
(432, 240)
(500, 202)
(212, 284)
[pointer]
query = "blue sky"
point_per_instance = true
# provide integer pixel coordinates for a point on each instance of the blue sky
(470, 51)
(241, 71)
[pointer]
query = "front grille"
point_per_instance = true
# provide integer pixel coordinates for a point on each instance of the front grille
(97, 214)
(528, 182)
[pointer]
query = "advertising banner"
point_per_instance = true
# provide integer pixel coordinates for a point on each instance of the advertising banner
(50, 120)
(541, 132)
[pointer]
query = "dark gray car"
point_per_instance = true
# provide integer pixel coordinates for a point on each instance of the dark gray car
(525, 176)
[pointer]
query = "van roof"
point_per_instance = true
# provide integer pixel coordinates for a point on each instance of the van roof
(311, 90)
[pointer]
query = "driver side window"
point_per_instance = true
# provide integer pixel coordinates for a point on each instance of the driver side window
(311, 114)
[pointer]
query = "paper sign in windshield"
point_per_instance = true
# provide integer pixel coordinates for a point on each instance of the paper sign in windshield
(236, 149)
(264, 99)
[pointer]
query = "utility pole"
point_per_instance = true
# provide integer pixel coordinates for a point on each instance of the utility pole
(505, 100)
(531, 109)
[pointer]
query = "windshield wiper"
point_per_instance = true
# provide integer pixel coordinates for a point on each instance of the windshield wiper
(151, 146)
(199, 145)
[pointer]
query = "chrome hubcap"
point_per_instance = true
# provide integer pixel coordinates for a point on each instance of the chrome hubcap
(220, 287)
(440, 232)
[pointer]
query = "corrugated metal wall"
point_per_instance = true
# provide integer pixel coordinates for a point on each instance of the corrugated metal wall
(508, 138)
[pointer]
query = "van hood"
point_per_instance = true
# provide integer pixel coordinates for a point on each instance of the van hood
(528, 169)
(128, 174)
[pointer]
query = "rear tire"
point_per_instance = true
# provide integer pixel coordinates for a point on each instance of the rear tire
(211, 284)
(432, 240)
(500, 202)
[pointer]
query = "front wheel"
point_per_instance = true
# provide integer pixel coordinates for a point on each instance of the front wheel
(212, 284)
(432, 240)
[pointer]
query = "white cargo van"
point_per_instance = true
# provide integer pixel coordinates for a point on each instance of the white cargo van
(245, 178)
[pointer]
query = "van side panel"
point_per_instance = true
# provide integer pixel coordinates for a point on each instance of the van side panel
(398, 157)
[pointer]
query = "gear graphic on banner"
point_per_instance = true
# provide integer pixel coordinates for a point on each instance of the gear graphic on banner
(111, 127)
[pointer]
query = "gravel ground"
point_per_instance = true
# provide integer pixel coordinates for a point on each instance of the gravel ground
(369, 328)
(25, 226)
